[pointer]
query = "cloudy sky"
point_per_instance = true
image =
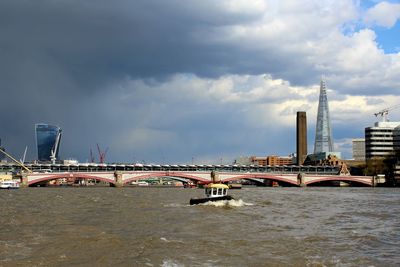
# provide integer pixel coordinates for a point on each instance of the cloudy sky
(179, 81)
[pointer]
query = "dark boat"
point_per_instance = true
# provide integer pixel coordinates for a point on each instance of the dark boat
(214, 192)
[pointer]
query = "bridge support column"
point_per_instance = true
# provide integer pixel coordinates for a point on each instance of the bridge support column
(24, 180)
(118, 179)
(300, 180)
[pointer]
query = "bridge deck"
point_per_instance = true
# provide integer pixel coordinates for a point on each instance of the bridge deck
(92, 167)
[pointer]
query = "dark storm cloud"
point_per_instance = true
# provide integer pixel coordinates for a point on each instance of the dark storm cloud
(93, 41)
(58, 56)
(62, 62)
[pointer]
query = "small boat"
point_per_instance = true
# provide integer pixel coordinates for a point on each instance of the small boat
(213, 192)
(9, 185)
(143, 183)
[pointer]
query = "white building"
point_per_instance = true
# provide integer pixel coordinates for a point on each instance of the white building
(379, 140)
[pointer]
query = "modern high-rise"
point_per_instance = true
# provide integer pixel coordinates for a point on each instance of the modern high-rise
(301, 137)
(48, 139)
(323, 132)
(380, 140)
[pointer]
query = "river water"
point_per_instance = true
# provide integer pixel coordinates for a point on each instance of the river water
(156, 227)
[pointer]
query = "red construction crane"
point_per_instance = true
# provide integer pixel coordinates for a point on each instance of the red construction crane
(102, 154)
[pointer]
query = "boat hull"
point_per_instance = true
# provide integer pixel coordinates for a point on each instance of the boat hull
(195, 201)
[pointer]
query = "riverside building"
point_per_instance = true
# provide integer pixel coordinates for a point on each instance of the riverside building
(380, 140)
(359, 149)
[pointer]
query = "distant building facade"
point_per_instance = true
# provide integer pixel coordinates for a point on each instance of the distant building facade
(242, 160)
(324, 159)
(380, 140)
(358, 149)
(48, 138)
(271, 160)
(323, 132)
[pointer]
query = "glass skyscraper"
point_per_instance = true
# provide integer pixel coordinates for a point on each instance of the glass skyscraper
(323, 132)
(48, 139)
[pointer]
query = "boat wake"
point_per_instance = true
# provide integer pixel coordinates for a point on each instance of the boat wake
(227, 203)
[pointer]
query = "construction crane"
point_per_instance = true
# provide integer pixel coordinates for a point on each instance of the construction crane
(102, 154)
(54, 149)
(16, 161)
(384, 112)
(91, 156)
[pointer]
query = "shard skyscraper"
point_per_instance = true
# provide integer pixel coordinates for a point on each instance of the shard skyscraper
(323, 132)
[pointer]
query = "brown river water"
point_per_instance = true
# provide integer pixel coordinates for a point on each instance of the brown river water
(156, 227)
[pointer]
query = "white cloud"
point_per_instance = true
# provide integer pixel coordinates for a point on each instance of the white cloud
(383, 14)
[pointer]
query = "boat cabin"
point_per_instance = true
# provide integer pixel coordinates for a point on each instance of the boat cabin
(216, 190)
(9, 184)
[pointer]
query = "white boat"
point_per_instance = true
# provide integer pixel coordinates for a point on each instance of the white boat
(213, 192)
(9, 185)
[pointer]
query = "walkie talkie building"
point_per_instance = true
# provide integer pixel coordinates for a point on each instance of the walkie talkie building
(48, 139)
(323, 132)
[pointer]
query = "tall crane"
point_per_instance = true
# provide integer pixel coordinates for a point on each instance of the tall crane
(16, 161)
(102, 154)
(54, 149)
(384, 112)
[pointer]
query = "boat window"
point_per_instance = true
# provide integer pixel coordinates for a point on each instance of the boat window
(219, 191)
(224, 191)
(214, 191)
(208, 191)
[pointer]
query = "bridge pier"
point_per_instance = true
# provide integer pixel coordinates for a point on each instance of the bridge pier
(23, 179)
(300, 180)
(118, 179)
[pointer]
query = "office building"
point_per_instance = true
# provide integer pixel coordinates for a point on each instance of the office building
(323, 132)
(380, 140)
(359, 149)
(48, 139)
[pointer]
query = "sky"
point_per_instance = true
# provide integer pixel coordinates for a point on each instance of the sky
(181, 81)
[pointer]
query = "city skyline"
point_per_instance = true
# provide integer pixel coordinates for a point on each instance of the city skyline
(167, 81)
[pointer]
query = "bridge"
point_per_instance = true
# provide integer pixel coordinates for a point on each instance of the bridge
(123, 174)
(120, 178)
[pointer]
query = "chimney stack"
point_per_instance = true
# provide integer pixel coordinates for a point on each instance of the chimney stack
(301, 137)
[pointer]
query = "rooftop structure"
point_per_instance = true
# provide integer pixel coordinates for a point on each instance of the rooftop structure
(323, 132)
